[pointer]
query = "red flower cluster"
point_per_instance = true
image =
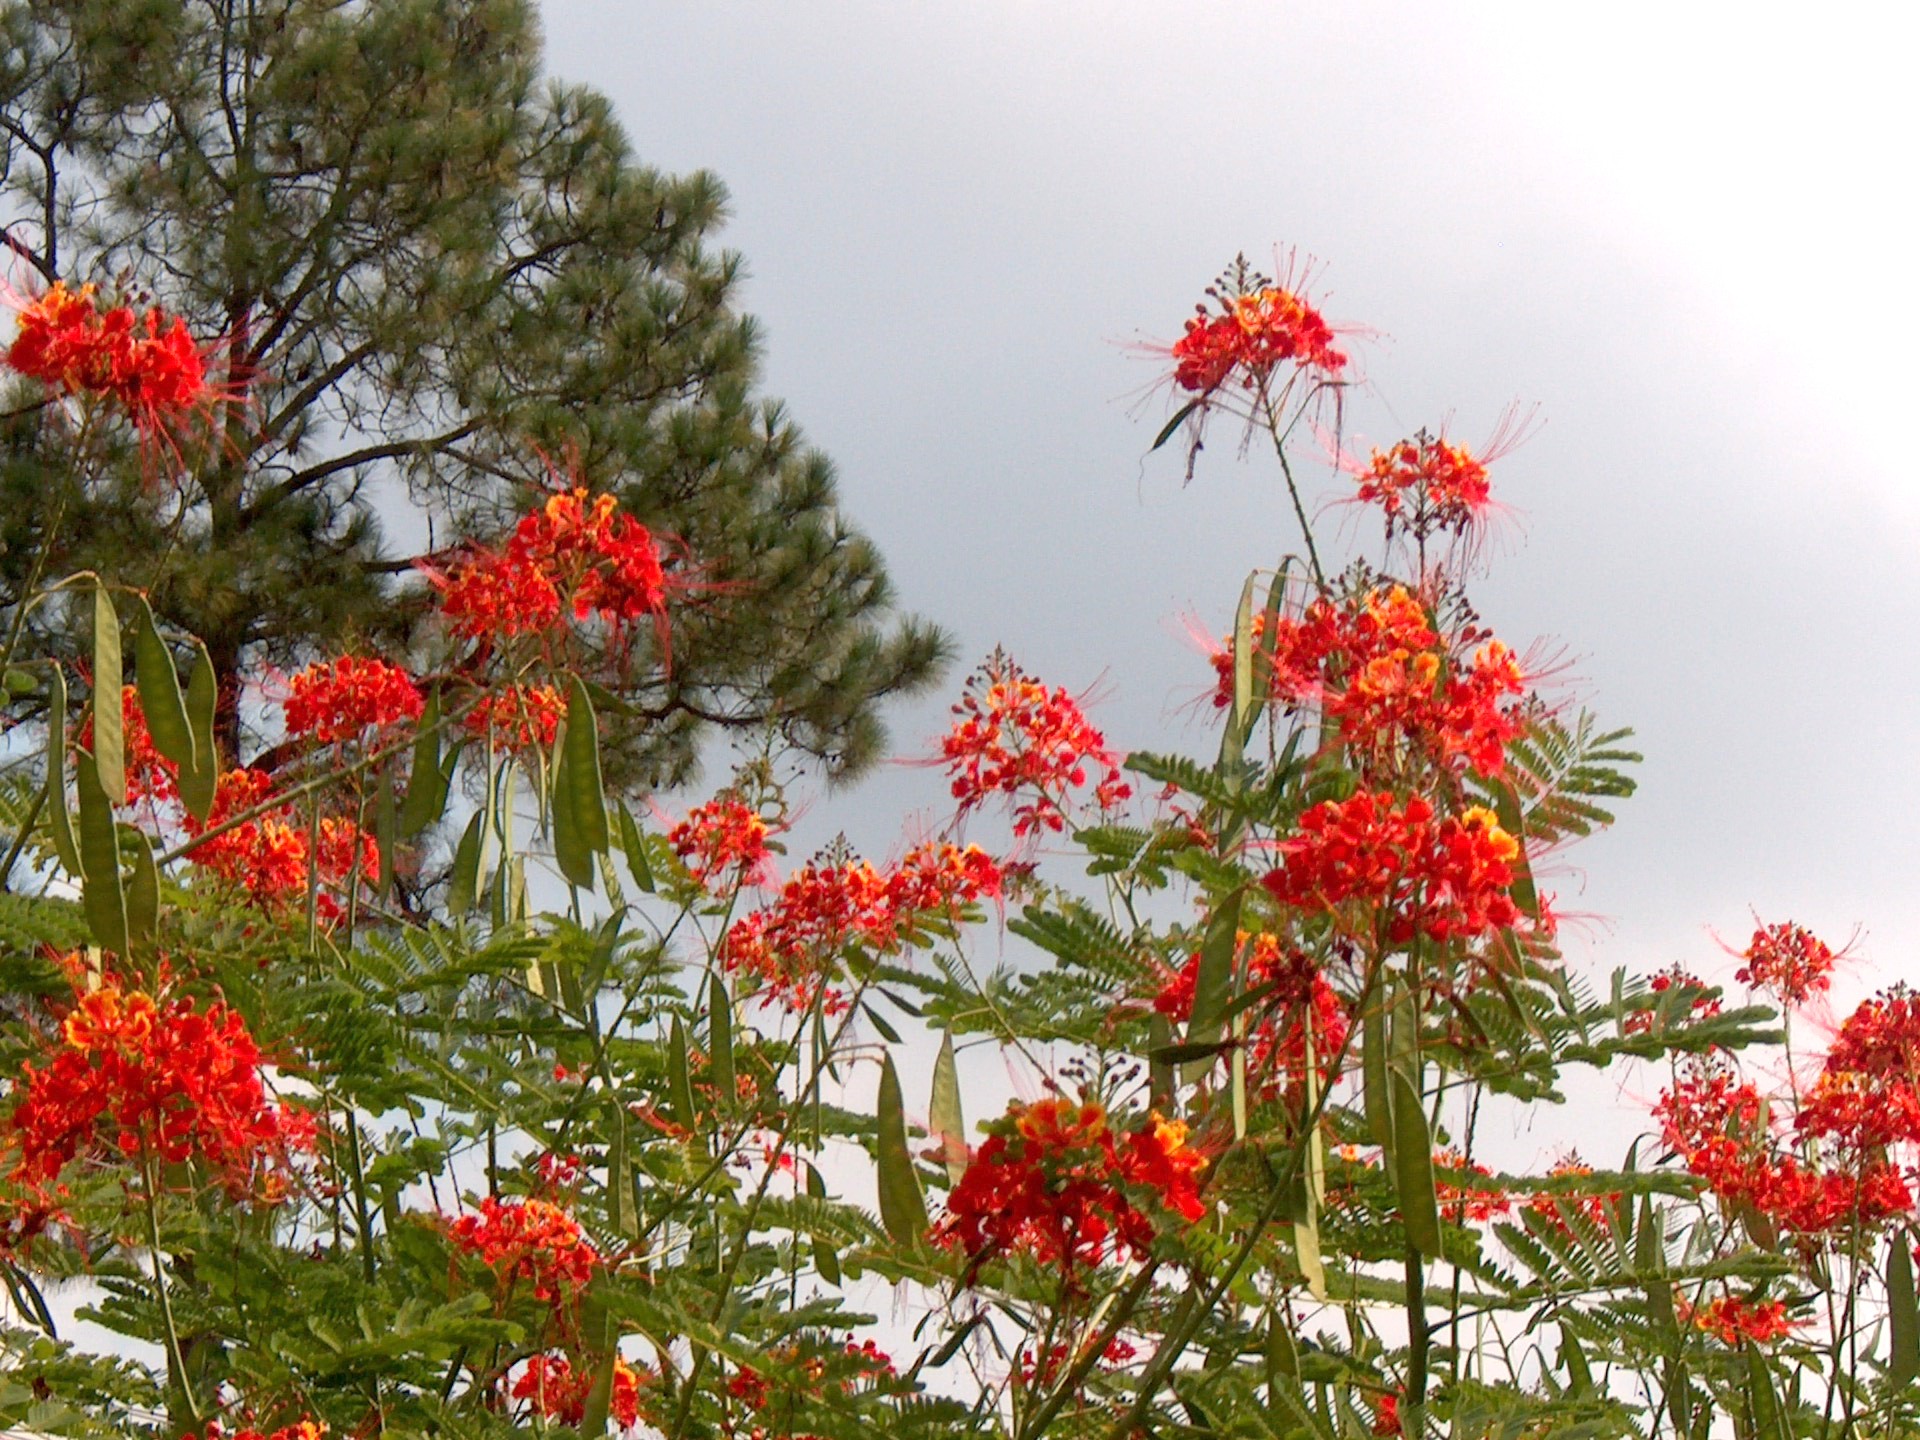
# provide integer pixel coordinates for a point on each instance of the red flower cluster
(150, 365)
(1866, 1096)
(267, 856)
(1718, 1128)
(339, 701)
(1249, 336)
(1427, 482)
(1277, 1048)
(560, 1393)
(1736, 1321)
(165, 1079)
(1555, 1208)
(529, 1240)
(1788, 962)
(1445, 878)
(1387, 681)
(1461, 1200)
(1386, 1416)
(1050, 1181)
(575, 554)
(723, 843)
(518, 717)
(1014, 737)
(794, 945)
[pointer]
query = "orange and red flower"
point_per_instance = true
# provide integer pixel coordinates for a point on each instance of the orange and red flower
(559, 1392)
(578, 555)
(1444, 877)
(1718, 1126)
(1389, 685)
(1052, 1179)
(150, 775)
(518, 717)
(337, 701)
(267, 856)
(1788, 962)
(1253, 327)
(530, 1240)
(723, 843)
(1014, 737)
(795, 945)
(155, 1078)
(150, 365)
(1737, 1322)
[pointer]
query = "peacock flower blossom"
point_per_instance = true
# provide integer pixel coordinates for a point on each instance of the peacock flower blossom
(1788, 962)
(1461, 1201)
(1247, 329)
(1444, 877)
(1052, 1181)
(723, 844)
(1393, 689)
(304, 1429)
(518, 717)
(1734, 1321)
(531, 1240)
(559, 1392)
(576, 556)
(155, 1078)
(1015, 738)
(795, 946)
(336, 701)
(150, 775)
(268, 858)
(149, 365)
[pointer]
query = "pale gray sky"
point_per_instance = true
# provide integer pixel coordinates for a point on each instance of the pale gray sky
(1683, 230)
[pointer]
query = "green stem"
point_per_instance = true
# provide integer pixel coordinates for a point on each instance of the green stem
(1418, 1342)
(1293, 489)
(176, 1358)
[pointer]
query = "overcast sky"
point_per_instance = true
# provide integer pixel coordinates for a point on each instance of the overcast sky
(1683, 231)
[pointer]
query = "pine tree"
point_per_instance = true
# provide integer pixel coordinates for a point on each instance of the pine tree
(438, 280)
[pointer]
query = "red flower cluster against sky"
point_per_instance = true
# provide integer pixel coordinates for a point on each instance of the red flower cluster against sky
(1788, 962)
(794, 945)
(337, 701)
(1442, 877)
(150, 365)
(160, 1079)
(267, 856)
(530, 1240)
(150, 775)
(1300, 999)
(308, 1429)
(518, 717)
(1051, 1181)
(577, 555)
(1717, 1124)
(723, 844)
(1388, 683)
(1014, 737)
(1248, 337)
